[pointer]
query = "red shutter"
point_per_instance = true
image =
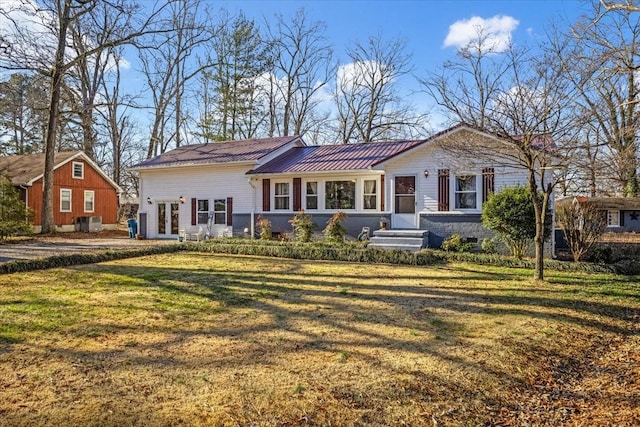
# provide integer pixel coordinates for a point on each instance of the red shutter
(487, 183)
(229, 210)
(382, 193)
(194, 213)
(266, 195)
(297, 194)
(443, 189)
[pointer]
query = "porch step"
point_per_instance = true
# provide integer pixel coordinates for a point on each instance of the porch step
(406, 240)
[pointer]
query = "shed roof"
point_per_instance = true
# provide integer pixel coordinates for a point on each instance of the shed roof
(24, 169)
(218, 152)
(345, 157)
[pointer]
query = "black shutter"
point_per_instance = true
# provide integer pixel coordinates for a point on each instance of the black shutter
(194, 213)
(229, 210)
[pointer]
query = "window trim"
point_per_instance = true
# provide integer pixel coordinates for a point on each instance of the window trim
(609, 217)
(277, 196)
(456, 192)
(93, 201)
(62, 190)
(73, 170)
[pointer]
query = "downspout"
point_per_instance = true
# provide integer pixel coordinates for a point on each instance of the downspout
(253, 207)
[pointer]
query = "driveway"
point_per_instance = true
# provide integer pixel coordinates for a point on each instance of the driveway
(42, 247)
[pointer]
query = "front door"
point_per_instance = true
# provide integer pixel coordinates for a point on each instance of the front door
(168, 218)
(404, 211)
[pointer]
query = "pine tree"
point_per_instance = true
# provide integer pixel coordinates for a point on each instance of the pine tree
(14, 215)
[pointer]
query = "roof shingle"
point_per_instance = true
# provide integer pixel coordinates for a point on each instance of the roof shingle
(23, 169)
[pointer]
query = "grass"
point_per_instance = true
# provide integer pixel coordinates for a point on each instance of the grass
(193, 339)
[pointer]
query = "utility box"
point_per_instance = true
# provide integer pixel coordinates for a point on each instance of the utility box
(95, 224)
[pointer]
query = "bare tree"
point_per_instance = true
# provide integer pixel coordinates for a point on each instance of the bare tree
(525, 102)
(582, 225)
(369, 106)
(603, 64)
(165, 63)
(302, 67)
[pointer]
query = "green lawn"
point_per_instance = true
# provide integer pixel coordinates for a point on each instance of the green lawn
(201, 339)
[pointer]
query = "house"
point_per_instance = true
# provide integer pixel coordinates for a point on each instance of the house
(412, 185)
(622, 213)
(84, 197)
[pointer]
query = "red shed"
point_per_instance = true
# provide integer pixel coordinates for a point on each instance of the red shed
(84, 197)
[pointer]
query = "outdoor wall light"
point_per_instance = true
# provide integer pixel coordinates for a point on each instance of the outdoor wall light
(426, 173)
(149, 200)
(181, 199)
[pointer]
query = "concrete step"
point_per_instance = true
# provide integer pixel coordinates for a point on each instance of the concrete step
(401, 233)
(407, 240)
(397, 240)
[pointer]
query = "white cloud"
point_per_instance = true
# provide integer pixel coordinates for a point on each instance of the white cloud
(495, 31)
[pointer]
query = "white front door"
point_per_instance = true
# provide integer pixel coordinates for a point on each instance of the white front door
(404, 207)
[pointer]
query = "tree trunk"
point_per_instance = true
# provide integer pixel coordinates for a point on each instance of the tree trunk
(57, 74)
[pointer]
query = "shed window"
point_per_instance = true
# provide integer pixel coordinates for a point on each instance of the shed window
(65, 200)
(89, 197)
(78, 170)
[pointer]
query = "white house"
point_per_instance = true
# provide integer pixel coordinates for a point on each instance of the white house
(413, 185)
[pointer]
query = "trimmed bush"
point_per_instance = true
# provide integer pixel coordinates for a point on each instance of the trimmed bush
(454, 243)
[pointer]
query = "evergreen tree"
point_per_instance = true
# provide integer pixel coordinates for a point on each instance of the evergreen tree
(14, 215)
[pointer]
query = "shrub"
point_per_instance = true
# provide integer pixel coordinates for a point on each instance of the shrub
(302, 226)
(489, 246)
(511, 215)
(582, 225)
(335, 231)
(264, 228)
(14, 215)
(454, 243)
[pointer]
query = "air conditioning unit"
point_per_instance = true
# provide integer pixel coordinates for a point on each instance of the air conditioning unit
(95, 223)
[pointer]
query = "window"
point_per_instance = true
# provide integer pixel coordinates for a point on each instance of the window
(89, 197)
(312, 195)
(203, 211)
(465, 192)
(340, 195)
(65, 200)
(370, 200)
(282, 196)
(613, 218)
(78, 170)
(220, 211)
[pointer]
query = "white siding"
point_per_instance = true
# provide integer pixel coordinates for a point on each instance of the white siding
(200, 182)
(431, 158)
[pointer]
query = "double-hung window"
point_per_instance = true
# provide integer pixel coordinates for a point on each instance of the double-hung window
(203, 211)
(65, 200)
(89, 200)
(370, 199)
(613, 218)
(220, 211)
(312, 195)
(281, 196)
(466, 192)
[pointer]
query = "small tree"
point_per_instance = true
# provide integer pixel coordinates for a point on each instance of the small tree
(335, 231)
(264, 228)
(510, 213)
(14, 215)
(302, 226)
(582, 225)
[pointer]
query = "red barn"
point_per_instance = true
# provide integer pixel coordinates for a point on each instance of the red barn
(84, 197)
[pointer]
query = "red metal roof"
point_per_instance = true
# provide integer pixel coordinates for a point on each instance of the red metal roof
(335, 157)
(218, 152)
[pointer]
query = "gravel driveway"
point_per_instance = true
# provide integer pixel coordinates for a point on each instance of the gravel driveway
(48, 246)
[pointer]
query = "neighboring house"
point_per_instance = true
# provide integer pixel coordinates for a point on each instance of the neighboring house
(622, 213)
(83, 195)
(413, 185)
